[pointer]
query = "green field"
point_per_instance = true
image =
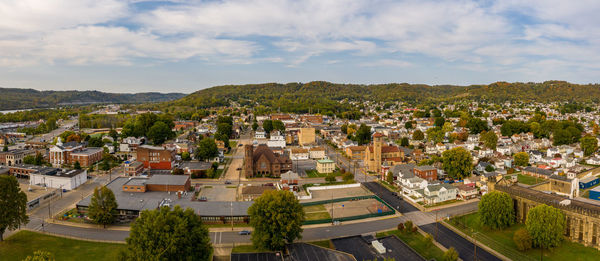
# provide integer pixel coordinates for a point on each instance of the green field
(314, 208)
(24, 243)
(417, 242)
(313, 173)
(528, 180)
(502, 241)
(317, 215)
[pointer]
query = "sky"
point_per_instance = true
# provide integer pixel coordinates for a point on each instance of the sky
(184, 46)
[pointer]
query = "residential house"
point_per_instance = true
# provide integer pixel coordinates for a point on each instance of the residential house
(434, 194)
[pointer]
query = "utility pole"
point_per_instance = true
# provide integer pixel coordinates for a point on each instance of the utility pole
(231, 215)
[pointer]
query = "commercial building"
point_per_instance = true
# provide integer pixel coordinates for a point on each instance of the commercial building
(14, 157)
(154, 157)
(59, 178)
(306, 136)
(134, 168)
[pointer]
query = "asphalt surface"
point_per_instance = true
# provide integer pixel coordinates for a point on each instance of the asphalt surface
(396, 202)
(465, 248)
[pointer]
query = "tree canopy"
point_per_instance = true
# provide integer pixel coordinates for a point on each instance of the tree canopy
(207, 149)
(277, 219)
(165, 234)
(521, 159)
(542, 234)
(589, 145)
(496, 210)
(457, 163)
(103, 206)
(13, 209)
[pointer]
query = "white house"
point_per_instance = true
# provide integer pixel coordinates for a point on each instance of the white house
(316, 153)
(260, 134)
(505, 150)
(276, 140)
(299, 154)
(60, 179)
(439, 193)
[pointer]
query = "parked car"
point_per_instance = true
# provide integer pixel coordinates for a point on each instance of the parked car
(227, 182)
(244, 232)
(202, 199)
(239, 168)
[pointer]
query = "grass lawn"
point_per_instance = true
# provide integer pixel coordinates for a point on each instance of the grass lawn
(440, 204)
(228, 225)
(313, 173)
(417, 242)
(315, 208)
(528, 180)
(232, 144)
(24, 243)
(388, 186)
(247, 249)
(317, 215)
(323, 243)
(502, 241)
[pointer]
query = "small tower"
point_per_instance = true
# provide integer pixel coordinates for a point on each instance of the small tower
(376, 157)
(248, 162)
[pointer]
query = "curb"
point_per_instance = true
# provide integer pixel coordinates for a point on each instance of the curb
(478, 243)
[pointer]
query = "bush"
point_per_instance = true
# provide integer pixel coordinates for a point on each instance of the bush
(348, 177)
(400, 227)
(451, 255)
(408, 225)
(330, 178)
(522, 239)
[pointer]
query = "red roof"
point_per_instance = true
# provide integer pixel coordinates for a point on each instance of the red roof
(377, 135)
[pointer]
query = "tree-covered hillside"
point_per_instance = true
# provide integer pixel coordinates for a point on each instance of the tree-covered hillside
(325, 96)
(13, 98)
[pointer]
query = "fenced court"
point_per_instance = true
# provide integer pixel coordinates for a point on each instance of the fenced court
(344, 209)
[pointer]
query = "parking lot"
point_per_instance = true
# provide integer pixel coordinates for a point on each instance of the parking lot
(301, 166)
(387, 196)
(218, 192)
(355, 208)
(318, 195)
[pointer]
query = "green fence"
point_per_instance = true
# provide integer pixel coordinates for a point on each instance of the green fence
(329, 220)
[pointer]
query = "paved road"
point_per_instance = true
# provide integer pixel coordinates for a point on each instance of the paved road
(396, 202)
(466, 249)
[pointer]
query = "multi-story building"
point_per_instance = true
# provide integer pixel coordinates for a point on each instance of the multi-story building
(14, 157)
(377, 153)
(71, 152)
(306, 136)
(134, 168)
(426, 172)
(325, 166)
(154, 157)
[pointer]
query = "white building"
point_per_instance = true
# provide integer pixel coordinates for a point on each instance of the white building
(316, 153)
(60, 179)
(439, 193)
(276, 140)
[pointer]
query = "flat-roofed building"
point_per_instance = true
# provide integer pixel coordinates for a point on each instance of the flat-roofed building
(154, 157)
(325, 166)
(60, 179)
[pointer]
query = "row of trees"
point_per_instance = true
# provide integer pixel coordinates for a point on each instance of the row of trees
(157, 127)
(544, 224)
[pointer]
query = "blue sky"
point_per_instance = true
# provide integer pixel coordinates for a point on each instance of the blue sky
(184, 46)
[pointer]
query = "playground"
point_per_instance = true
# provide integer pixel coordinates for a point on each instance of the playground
(345, 209)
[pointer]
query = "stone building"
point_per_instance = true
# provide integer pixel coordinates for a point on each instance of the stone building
(262, 161)
(582, 218)
(377, 153)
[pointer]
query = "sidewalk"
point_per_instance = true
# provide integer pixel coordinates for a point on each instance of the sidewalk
(479, 244)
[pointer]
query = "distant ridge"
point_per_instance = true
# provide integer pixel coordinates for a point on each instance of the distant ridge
(15, 98)
(325, 96)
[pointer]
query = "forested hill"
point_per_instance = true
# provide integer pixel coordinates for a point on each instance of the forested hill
(14, 98)
(300, 97)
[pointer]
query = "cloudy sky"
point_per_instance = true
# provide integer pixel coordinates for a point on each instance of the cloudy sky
(183, 46)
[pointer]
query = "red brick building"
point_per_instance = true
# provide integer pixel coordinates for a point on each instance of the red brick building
(428, 173)
(154, 157)
(262, 161)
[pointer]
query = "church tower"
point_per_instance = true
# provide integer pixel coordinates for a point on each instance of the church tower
(375, 162)
(248, 161)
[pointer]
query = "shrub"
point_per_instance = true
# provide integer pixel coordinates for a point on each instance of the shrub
(522, 239)
(451, 255)
(408, 225)
(401, 227)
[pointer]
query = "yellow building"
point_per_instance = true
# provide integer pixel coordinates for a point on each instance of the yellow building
(306, 136)
(325, 166)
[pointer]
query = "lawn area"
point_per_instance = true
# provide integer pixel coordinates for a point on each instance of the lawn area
(388, 186)
(247, 249)
(417, 241)
(314, 208)
(528, 180)
(440, 204)
(24, 243)
(313, 173)
(317, 215)
(323, 243)
(502, 241)
(232, 144)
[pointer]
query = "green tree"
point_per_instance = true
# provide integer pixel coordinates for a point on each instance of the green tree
(522, 239)
(278, 125)
(418, 135)
(439, 122)
(489, 139)
(404, 142)
(545, 225)
(363, 134)
(489, 168)
(165, 234)
(408, 125)
(477, 125)
(389, 178)
(185, 156)
(496, 210)
(103, 206)
(330, 178)
(521, 159)
(104, 165)
(457, 163)
(113, 133)
(277, 219)
(160, 132)
(268, 126)
(450, 254)
(207, 149)
(589, 145)
(255, 126)
(13, 209)
(435, 134)
(347, 176)
(29, 159)
(40, 255)
(5, 148)
(77, 165)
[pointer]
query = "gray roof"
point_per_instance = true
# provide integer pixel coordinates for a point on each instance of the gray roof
(438, 187)
(195, 165)
(425, 168)
(405, 169)
(167, 179)
(87, 151)
(139, 201)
